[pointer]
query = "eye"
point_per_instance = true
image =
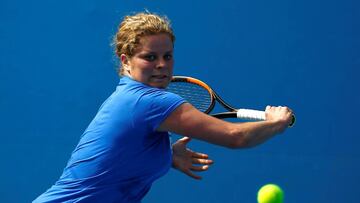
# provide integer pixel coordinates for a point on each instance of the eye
(168, 57)
(150, 57)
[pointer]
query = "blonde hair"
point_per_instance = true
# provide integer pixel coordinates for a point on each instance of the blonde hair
(133, 27)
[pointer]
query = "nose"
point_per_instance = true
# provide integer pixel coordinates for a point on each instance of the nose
(162, 63)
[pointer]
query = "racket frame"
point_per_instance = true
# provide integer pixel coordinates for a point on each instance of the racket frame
(232, 112)
(213, 95)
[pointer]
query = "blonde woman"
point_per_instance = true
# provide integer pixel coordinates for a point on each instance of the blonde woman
(126, 147)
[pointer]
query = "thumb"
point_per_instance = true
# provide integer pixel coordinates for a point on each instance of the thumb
(185, 140)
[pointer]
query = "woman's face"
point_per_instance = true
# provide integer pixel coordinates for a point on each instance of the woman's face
(152, 63)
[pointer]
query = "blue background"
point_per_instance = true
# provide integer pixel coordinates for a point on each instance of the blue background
(57, 67)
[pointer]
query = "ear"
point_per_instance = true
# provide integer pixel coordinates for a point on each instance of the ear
(125, 62)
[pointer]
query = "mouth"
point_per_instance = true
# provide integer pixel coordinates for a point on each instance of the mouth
(159, 77)
(160, 81)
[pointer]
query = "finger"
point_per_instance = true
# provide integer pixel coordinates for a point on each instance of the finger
(185, 140)
(289, 110)
(202, 161)
(267, 108)
(199, 168)
(199, 155)
(192, 175)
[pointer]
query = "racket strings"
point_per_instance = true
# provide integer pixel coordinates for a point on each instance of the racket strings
(196, 95)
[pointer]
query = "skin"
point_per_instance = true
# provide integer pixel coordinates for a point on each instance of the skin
(152, 64)
(186, 120)
(188, 161)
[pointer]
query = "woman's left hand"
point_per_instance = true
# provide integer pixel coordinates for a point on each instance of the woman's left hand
(187, 161)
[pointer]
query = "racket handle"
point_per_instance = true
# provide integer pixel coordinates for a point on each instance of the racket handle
(251, 114)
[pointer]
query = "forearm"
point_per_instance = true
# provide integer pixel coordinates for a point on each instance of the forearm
(254, 133)
(186, 120)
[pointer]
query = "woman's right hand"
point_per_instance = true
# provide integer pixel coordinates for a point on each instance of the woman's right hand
(279, 114)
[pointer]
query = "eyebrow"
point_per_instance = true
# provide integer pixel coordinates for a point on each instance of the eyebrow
(152, 52)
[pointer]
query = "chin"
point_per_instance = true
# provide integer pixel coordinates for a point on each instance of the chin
(161, 85)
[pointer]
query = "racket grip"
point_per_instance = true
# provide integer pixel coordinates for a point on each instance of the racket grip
(251, 114)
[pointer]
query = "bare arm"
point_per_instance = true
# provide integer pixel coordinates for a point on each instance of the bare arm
(187, 120)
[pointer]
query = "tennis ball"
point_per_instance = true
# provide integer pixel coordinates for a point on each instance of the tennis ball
(270, 193)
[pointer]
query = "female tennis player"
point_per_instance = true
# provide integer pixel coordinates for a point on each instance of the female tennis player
(126, 147)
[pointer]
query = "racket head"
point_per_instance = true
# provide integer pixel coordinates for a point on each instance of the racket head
(194, 91)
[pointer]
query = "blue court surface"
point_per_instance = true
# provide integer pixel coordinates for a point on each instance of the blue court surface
(57, 67)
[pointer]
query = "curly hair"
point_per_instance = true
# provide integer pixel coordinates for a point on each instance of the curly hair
(133, 27)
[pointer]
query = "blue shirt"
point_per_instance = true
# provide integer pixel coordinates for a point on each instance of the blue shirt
(120, 153)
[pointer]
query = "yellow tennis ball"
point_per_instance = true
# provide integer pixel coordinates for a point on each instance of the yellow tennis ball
(270, 193)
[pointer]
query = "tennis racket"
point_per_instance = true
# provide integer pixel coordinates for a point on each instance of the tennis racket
(202, 97)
